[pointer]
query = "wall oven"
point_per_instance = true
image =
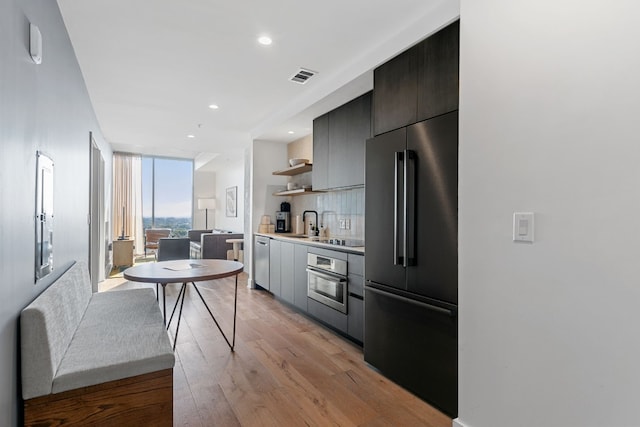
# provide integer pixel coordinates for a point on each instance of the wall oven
(327, 281)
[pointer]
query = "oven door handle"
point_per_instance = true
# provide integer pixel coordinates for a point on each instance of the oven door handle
(339, 279)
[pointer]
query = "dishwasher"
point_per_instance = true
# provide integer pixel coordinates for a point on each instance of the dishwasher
(261, 262)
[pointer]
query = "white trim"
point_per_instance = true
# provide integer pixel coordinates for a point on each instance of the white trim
(457, 423)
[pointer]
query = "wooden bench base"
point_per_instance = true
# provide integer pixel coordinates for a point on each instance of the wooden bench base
(142, 400)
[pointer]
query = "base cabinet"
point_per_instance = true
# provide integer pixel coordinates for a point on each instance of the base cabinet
(355, 326)
(300, 277)
(355, 319)
(328, 315)
(281, 268)
(275, 256)
(287, 271)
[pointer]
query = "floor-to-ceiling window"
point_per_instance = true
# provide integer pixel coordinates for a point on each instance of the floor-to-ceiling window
(167, 194)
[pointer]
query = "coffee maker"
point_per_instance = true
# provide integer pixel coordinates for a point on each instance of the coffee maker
(283, 218)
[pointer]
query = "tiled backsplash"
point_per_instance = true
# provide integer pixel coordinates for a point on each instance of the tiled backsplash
(332, 207)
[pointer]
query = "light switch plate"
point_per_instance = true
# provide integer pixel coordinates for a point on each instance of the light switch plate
(523, 226)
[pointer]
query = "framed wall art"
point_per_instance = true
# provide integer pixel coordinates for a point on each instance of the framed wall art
(232, 201)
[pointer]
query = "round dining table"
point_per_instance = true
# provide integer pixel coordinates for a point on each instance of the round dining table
(187, 271)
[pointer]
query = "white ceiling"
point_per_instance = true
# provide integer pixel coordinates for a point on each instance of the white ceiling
(152, 67)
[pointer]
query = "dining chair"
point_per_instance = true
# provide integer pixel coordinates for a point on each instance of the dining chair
(151, 237)
(172, 249)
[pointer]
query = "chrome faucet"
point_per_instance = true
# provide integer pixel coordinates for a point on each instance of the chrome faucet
(304, 214)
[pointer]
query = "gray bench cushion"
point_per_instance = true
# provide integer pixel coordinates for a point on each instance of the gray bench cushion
(47, 325)
(121, 335)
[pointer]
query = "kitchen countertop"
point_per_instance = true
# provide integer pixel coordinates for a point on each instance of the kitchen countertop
(311, 241)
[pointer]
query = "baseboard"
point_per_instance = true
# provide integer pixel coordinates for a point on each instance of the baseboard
(457, 423)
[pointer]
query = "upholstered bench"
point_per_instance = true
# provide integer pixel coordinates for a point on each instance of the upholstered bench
(95, 359)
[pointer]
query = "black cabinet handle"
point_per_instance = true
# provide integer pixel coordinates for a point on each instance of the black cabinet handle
(410, 207)
(397, 255)
(441, 310)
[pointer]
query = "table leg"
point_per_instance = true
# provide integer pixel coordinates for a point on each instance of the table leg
(175, 339)
(214, 319)
(235, 305)
(182, 291)
(164, 302)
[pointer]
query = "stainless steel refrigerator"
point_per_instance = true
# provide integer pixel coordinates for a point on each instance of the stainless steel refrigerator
(411, 259)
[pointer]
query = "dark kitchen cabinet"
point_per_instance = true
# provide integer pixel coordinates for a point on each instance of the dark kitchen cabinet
(418, 84)
(355, 308)
(338, 145)
(356, 264)
(320, 173)
(328, 315)
(395, 85)
(300, 277)
(275, 255)
(355, 319)
(286, 272)
(438, 73)
(349, 128)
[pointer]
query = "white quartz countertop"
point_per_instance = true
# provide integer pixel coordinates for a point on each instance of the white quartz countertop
(311, 241)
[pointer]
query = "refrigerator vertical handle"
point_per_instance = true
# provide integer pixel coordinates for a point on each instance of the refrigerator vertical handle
(410, 208)
(397, 253)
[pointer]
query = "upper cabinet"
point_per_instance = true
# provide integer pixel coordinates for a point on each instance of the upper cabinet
(438, 73)
(418, 84)
(395, 87)
(320, 175)
(338, 144)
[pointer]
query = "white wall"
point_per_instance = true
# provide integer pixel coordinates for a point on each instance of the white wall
(204, 186)
(247, 202)
(549, 96)
(266, 157)
(231, 175)
(42, 107)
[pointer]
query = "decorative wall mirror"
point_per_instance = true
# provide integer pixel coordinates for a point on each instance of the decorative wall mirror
(44, 215)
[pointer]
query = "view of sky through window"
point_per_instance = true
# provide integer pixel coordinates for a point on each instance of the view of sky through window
(167, 194)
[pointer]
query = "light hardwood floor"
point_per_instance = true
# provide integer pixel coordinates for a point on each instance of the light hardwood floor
(286, 369)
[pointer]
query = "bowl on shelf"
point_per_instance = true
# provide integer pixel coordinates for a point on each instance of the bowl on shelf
(296, 162)
(292, 186)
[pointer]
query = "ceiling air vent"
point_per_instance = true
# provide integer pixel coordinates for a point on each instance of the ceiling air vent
(302, 75)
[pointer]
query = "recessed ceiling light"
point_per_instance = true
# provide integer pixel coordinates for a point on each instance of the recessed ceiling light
(213, 106)
(191, 136)
(265, 40)
(291, 132)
